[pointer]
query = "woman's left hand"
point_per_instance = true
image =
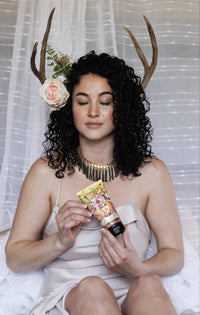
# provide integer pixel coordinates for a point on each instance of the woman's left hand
(119, 258)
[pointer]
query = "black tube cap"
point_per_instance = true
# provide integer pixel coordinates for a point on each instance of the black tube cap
(117, 228)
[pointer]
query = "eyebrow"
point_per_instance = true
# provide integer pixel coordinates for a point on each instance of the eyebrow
(85, 94)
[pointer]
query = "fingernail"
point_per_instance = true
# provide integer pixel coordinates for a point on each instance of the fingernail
(84, 206)
(89, 214)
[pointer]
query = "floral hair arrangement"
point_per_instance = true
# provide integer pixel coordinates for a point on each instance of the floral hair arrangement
(53, 91)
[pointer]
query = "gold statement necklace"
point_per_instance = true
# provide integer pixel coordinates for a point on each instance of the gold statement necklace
(93, 171)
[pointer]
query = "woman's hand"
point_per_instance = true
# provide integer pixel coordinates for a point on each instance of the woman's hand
(69, 219)
(119, 258)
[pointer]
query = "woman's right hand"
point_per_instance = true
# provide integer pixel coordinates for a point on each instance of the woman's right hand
(69, 219)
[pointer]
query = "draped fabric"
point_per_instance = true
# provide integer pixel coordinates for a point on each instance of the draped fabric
(80, 26)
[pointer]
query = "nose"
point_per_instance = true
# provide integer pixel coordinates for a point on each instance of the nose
(93, 110)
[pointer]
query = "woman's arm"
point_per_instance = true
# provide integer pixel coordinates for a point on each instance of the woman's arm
(23, 250)
(162, 215)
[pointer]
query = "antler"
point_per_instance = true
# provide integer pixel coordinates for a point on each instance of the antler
(41, 74)
(148, 70)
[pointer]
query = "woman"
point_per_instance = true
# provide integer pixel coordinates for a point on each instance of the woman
(87, 269)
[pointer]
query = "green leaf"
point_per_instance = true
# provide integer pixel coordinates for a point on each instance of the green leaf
(56, 68)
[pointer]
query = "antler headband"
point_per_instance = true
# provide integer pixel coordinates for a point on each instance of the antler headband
(148, 70)
(54, 92)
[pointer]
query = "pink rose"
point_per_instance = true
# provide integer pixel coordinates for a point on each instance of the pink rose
(54, 93)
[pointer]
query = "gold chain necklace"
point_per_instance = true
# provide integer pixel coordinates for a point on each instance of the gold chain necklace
(93, 171)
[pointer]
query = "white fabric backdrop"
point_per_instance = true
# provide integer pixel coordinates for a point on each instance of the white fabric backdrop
(79, 26)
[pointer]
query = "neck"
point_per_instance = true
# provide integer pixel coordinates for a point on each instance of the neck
(101, 152)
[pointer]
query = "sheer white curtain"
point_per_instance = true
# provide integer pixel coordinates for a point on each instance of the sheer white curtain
(82, 25)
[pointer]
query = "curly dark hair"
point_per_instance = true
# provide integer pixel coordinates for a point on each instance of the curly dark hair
(133, 131)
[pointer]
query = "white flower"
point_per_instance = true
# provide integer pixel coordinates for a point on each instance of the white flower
(54, 93)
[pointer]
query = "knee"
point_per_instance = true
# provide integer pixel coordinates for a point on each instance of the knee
(92, 286)
(148, 292)
(150, 285)
(86, 293)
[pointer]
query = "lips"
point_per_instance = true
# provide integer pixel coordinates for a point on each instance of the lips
(93, 124)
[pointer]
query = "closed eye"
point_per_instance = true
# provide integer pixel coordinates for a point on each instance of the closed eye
(82, 103)
(102, 103)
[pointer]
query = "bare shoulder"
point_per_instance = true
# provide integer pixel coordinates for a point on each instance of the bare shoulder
(155, 173)
(154, 166)
(40, 166)
(40, 177)
(40, 169)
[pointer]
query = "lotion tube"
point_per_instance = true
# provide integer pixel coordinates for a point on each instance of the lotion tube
(98, 202)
